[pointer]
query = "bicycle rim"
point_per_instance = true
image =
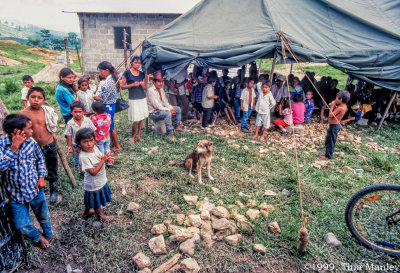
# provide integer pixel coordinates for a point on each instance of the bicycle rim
(373, 217)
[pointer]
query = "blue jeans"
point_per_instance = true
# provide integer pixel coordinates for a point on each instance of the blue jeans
(236, 108)
(330, 141)
(104, 145)
(207, 117)
(22, 221)
(167, 117)
(246, 116)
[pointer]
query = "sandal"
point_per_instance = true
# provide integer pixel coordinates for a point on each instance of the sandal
(132, 141)
(140, 140)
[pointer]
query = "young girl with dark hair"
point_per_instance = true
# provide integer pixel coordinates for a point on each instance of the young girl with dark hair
(66, 92)
(134, 80)
(108, 95)
(92, 162)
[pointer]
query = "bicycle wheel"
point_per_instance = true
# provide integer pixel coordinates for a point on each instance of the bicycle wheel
(373, 217)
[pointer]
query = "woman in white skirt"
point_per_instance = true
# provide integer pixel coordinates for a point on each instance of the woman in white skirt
(134, 80)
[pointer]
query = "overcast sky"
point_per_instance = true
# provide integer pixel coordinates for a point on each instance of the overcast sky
(49, 13)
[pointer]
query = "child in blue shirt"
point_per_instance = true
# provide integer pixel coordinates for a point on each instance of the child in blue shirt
(309, 103)
(24, 169)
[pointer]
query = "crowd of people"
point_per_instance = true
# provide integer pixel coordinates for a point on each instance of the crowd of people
(28, 152)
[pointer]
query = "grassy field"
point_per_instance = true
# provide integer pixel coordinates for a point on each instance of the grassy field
(240, 173)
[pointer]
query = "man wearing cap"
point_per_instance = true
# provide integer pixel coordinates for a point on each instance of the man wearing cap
(280, 92)
(160, 109)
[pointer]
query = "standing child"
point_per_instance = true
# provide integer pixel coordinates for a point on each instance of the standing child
(207, 102)
(336, 113)
(102, 122)
(247, 103)
(287, 120)
(78, 121)
(28, 82)
(309, 103)
(85, 94)
(264, 105)
(44, 124)
(298, 108)
(92, 161)
(24, 169)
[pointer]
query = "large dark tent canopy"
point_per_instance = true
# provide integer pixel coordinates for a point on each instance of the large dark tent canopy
(359, 37)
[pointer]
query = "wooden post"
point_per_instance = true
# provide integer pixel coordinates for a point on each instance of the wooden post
(146, 78)
(387, 110)
(273, 67)
(291, 68)
(79, 58)
(67, 52)
(64, 162)
(125, 50)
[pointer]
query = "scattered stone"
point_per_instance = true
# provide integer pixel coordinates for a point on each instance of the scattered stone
(187, 247)
(153, 150)
(246, 148)
(168, 264)
(347, 168)
(167, 222)
(187, 223)
(172, 229)
(215, 190)
(182, 234)
(196, 237)
(274, 227)
(180, 218)
(251, 203)
(264, 213)
(173, 269)
(190, 212)
(240, 204)
(358, 171)
(220, 212)
(205, 215)
(233, 239)
(190, 265)
(207, 240)
(206, 227)
(253, 213)
(191, 199)
(331, 239)
(221, 224)
(260, 248)
(194, 230)
(157, 245)
(221, 202)
(195, 220)
(281, 154)
(286, 192)
(175, 207)
(206, 206)
(97, 224)
(158, 229)
(141, 260)
(265, 206)
(132, 207)
(270, 193)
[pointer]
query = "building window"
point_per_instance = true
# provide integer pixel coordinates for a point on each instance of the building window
(119, 37)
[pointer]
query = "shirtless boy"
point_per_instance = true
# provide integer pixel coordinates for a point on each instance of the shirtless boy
(336, 113)
(44, 124)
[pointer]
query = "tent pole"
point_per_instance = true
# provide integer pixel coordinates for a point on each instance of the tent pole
(273, 67)
(387, 110)
(291, 68)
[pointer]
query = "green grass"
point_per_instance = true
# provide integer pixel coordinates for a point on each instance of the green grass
(154, 185)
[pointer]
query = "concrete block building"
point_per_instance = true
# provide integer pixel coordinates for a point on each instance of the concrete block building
(102, 34)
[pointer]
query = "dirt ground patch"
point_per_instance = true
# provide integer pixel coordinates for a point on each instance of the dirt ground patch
(35, 61)
(44, 52)
(10, 42)
(9, 62)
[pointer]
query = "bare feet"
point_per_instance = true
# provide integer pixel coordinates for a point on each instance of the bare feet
(140, 140)
(87, 213)
(262, 138)
(323, 156)
(42, 243)
(172, 137)
(105, 218)
(116, 149)
(254, 136)
(179, 128)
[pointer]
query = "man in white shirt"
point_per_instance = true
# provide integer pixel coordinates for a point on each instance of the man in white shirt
(160, 108)
(177, 92)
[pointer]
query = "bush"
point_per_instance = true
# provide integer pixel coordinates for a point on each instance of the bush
(10, 87)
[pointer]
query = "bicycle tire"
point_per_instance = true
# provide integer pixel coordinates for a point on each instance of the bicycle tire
(355, 207)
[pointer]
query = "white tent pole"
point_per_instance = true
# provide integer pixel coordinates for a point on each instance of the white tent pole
(387, 110)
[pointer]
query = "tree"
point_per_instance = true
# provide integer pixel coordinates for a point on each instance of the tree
(34, 41)
(57, 44)
(45, 38)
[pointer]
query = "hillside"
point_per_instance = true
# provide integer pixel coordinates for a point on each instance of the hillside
(21, 34)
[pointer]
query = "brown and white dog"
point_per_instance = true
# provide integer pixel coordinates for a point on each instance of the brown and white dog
(198, 158)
